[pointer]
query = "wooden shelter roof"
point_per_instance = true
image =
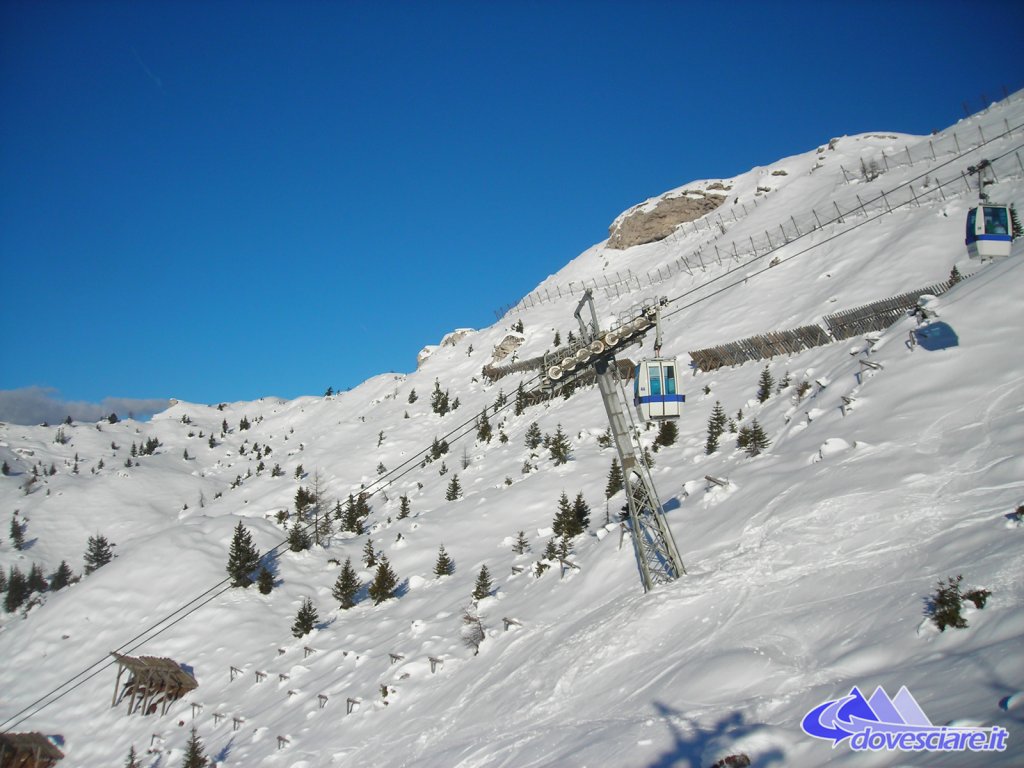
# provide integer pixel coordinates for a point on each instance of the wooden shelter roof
(162, 670)
(22, 745)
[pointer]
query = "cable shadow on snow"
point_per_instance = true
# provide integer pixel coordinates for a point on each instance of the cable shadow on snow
(687, 750)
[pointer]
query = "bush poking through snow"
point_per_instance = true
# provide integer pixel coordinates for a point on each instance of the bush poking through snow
(947, 603)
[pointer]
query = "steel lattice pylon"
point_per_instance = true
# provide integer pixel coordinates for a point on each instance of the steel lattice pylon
(656, 553)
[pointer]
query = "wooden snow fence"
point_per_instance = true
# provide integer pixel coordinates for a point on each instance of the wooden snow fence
(765, 345)
(28, 750)
(153, 682)
(878, 315)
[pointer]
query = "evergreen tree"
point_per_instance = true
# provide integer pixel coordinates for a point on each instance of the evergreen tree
(243, 557)
(298, 538)
(369, 555)
(615, 480)
(533, 436)
(195, 752)
(352, 521)
(412, 396)
(581, 513)
(483, 428)
(3, 580)
(133, 759)
(520, 405)
(62, 577)
(558, 339)
(521, 545)
(560, 449)
(716, 426)
(454, 489)
(36, 580)
(518, 327)
(564, 522)
(1015, 223)
(444, 565)
(305, 619)
(384, 582)
(757, 440)
(483, 584)
(765, 385)
(5, 469)
(668, 431)
(17, 590)
(97, 553)
(955, 276)
(550, 551)
(265, 581)
(17, 532)
(347, 586)
(439, 401)
(403, 506)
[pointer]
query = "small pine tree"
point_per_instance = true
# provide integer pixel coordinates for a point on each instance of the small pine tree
(521, 545)
(454, 491)
(615, 479)
(384, 584)
(17, 533)
(412, 396)
(5, 469)
(551, 550)
(520, 405)
(36, 580)
(369, 555)
(559, 447)
(17, 590)
(717, 423)
(484, 585)
(265, 581)
(668, 431)
(947, 605)
(1015, 223)
(352, 520)
(533, 436)
(483, 428)
(757, 440)
(765, 384)
(581, 513)
(564, 522)
(195, 752)
(558, 339)
(62, 577)
(403, 506)
(347, 586)
(299, 539)
(955, 276)
(97, 553)
(444, 566)
(305, 619)
(243, 557)
(133, 759)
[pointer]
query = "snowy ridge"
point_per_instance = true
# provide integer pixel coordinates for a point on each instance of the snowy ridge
(808, 571)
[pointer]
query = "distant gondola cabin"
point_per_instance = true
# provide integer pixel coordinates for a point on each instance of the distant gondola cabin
(989, 231)
(654, 389)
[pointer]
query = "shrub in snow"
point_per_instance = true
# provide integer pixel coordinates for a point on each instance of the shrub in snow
(947, 603)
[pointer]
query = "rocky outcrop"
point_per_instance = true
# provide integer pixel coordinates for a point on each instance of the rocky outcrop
(508, 345)
(657, 219)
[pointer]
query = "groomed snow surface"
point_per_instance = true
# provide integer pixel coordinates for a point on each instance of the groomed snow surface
(809, 572)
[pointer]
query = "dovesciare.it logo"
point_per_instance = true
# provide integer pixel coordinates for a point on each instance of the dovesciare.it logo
(890, 724)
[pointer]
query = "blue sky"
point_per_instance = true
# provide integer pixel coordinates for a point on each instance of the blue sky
(221, 201)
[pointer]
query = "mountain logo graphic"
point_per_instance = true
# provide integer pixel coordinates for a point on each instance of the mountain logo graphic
(884, 723)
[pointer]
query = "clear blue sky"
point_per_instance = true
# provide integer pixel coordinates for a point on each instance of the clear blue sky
(224, 200)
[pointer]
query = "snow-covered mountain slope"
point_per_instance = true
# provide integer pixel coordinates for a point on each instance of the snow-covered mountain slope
(808, 572)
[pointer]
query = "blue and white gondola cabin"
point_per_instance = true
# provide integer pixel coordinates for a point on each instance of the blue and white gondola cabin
(989, 231)
(654, 389)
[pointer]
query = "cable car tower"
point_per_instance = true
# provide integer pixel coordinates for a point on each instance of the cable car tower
(655, 548)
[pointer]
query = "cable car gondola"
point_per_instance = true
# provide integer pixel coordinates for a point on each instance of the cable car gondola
(989, 231)
(654, 389)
